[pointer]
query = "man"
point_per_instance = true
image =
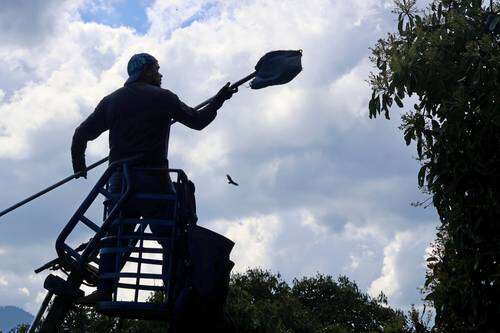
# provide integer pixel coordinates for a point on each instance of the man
(138, 117)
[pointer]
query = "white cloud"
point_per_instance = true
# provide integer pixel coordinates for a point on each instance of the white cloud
(24, 291)
(402, 260)
(253, 237)
(30, 23)
(35, 303)
(3, 281)
(388, 282)
(321, 187)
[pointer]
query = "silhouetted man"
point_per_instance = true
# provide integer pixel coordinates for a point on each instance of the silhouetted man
(138, 117)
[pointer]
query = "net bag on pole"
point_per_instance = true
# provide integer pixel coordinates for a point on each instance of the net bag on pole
(277, 67)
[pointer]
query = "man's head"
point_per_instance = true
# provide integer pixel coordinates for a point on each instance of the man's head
(143, 67)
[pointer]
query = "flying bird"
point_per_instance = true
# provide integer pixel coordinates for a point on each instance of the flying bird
(230, 181)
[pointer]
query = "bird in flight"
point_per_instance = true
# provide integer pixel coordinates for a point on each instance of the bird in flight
(230, 181)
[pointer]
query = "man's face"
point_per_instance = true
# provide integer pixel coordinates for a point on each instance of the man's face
(151, 75)
(156, 75)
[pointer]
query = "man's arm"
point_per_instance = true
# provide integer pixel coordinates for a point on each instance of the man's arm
(90, 129)
(199, 119)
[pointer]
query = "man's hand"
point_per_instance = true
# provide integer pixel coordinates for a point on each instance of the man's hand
(225, 93)
(79, 168)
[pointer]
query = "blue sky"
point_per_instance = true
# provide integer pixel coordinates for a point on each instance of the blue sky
(130, 13)
(322, 187)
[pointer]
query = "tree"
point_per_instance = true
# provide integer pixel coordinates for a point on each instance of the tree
(447, 59)
(262, 302)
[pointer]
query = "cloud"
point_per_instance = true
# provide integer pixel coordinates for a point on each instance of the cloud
(3, 281)
(403, 258)
(24, 291)
(253, 237)
(322, 188)
(30, 23)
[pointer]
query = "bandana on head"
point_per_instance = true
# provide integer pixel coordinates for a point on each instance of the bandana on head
(137, 64)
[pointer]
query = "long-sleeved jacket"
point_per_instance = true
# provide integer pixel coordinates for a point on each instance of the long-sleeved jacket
(138, 118)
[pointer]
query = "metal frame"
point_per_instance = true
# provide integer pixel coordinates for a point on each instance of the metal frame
(79, 265)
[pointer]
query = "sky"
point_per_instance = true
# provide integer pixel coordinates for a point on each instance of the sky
(323, 188)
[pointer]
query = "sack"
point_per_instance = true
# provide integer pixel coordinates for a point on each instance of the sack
(200, 303)
(210, 264)
(187, 202)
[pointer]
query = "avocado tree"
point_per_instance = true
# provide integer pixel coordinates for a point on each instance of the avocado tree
(263, 302)
(442, 66)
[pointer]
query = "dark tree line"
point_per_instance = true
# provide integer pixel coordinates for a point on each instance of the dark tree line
(262, 302)
(443, 67)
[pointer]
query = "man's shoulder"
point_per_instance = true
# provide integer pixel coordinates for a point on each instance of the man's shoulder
(144, 88)
(118, 92)
(162, 97)
(162, 91)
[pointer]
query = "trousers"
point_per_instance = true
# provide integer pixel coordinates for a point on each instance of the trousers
(143, 181)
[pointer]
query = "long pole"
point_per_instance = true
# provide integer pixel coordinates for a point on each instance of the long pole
(50, 188)
(234, 85)
(92, 166)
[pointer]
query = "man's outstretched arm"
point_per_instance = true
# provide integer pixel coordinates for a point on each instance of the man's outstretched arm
(199, 119)
(90, 129)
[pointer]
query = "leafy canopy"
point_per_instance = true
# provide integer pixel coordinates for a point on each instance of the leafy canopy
(443, 67)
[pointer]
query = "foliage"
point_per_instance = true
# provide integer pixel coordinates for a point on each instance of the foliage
(262, 302)
(84, 319)
(447, 59)
(23, 328)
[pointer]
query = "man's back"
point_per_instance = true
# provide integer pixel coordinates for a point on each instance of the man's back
(138, 118)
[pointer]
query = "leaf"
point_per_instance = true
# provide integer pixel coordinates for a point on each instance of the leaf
(435, 126)
(398, 101)
(429, 297)
(418, 20)
(494, 23)
(408, 136)
(371, 108)
(419, 148)
(421, 179)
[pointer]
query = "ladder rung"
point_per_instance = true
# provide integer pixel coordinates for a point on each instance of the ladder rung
(72, 252)
(89, 223)
(147, 236)
(131, 275)
(140, 287)
(146, 261)
(153, 196)
(106, 250)
(166, 222)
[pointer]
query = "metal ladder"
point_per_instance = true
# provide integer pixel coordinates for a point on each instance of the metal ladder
(81, 263)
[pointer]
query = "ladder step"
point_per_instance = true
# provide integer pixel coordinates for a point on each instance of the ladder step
(141, 287)
(72, 252)
(166, 223)
(131, 275)
(146, 236)
(153, 196)
(106, 250)
(145, 261)
(89, 223)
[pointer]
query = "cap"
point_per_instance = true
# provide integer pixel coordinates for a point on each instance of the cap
(137, 64)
